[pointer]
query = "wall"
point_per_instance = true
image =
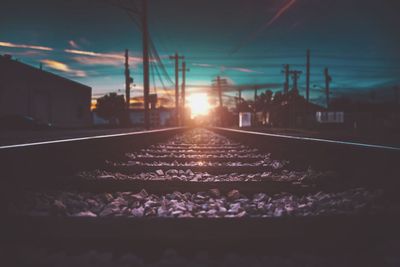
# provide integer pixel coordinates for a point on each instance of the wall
(28, 91)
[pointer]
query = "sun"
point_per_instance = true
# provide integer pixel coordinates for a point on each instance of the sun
(199, 105)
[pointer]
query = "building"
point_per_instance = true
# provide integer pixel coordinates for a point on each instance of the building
(366, 116)
(44, 96)
(330, 117)
(290, 114)
(160, 117)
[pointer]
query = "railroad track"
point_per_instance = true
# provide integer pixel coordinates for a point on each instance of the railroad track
(197, 190)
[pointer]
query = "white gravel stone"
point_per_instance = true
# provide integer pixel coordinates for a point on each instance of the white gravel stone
(84, 214)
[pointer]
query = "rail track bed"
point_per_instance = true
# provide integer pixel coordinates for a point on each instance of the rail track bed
(200, 191)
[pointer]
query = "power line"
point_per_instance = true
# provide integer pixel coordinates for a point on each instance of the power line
(162, 83)
(158, 59)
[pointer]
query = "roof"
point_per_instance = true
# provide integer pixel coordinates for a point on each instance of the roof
(366, 107)
(6, 60)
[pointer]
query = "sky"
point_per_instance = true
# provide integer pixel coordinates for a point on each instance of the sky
(247, 42)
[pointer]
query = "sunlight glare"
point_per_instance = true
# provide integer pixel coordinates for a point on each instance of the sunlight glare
(198, 104)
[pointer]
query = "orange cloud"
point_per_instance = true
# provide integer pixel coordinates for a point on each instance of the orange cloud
(56, 65)
(25, 53)
(83, 57)
(44, 48)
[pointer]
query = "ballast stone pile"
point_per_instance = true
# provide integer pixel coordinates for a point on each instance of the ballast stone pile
(211, 204)
(199, 143)
(274, 164)
(211, 146)
(309, 176)
(203, 156)
(214, 151)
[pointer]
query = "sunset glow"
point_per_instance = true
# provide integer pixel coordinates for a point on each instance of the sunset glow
(199, 104)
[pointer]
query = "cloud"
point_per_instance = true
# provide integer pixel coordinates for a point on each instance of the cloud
(223, 68)
(94, 54)
(73, 44)
(203, 65)
(245, 70)
(44, 48)
(88, 60)
(111, 59)
(81, 57)
(85, 60)
(85, 57)
(56, 65)
(95, 58)
(26, 53)
(287, 4)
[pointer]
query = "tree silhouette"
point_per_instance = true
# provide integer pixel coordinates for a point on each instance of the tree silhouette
(111, 107)
(263, 101)
(278, 98)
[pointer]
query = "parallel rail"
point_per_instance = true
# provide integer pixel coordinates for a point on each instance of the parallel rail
(46, 159)
(366, 162)
(50, 165)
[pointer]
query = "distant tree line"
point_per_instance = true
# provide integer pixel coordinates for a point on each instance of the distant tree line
(112, 108)
(284, 110)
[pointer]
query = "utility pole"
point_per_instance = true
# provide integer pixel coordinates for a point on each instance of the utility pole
(176, 57)
(286, 72)
(328, 80)
(255, 104)
(218, 82)
(219, 88)
(183, 90)
(146, 80)
(239, 99)
(308, 76)
(295, 77)
(127, 81)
